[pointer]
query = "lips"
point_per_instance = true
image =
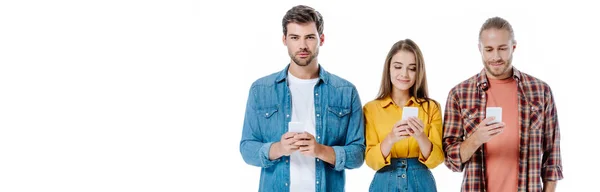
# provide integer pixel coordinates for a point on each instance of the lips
(496, 64)
(304, 54)
(403, 81)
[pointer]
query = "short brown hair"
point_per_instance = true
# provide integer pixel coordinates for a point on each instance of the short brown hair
(302, 14)
(498, 23)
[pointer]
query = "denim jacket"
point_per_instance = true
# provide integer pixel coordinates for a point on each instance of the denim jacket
(339, 124)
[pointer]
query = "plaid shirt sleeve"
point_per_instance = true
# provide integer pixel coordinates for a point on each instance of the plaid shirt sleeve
(551, 160)
(453, 133)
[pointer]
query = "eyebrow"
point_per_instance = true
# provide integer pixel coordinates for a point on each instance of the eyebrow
(396, 62)
(503, 45)
(309, 35)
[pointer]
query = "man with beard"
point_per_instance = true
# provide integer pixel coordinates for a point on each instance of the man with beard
(303, 125)
(518, 151)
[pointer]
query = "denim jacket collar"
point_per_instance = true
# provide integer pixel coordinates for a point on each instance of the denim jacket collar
(323, 75)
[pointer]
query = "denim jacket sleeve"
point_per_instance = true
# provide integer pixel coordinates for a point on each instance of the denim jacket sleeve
(351, 155)
(252, 148)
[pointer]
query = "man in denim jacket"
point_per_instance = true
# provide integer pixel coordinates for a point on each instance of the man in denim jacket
(303, 125)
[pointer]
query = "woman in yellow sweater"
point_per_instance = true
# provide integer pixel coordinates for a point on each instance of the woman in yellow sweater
(403, 150)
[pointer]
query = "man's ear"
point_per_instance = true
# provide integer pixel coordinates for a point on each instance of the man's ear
(322, 38)
(514, 46)
(283, 40)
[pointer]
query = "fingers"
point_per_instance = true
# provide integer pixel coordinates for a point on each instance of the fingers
(302, 143)
(304, 148)
(290, 142)
(293, 147)
(415, 128)
(304, 135)
(399, 123)
(487, 120)
(307, 147)
(288, 135)
(414, 125)
(407, 129)
(494, 126)
(496, 131)
(402, 133)
(419, 122)
(410, 132)
(303, 139)
(289, 139)
(400, 128)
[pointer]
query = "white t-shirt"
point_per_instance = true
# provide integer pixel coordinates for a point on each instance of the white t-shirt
(302, 168)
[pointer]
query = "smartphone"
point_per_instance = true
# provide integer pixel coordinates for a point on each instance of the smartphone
(409, 112)
(494, 112)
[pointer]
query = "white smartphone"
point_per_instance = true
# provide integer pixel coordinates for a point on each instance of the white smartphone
(494, 112)
(409, 112)
(297, 127)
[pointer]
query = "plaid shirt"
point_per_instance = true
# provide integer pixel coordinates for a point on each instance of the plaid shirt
(539, 157)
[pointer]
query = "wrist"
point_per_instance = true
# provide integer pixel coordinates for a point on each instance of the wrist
(319, 150)
(388, 140)
(422, 138)
(474, 141)
(278, 149)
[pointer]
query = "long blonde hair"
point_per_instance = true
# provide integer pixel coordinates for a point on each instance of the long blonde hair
(419, 89)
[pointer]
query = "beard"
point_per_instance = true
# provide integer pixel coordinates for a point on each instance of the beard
(303, 62)
(502, 70)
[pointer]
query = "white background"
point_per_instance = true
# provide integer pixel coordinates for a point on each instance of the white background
(125, 95)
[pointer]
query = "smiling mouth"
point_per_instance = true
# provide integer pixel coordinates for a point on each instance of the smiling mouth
(496, 64)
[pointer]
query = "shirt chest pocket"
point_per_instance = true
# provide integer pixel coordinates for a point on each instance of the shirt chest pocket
(536, 124)
(536, 116)
(269, 123)
(470, 119)
(337, 122)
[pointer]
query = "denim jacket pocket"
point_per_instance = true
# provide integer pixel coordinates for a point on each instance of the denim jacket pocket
(339, 111)
(267, 112)
(269, 123)
(337, 121)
